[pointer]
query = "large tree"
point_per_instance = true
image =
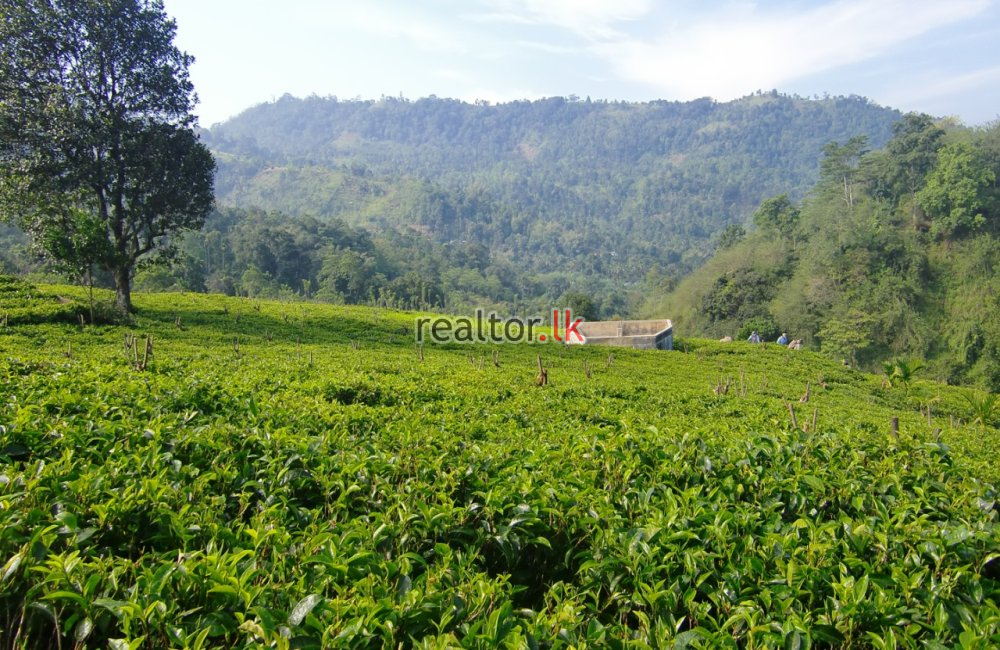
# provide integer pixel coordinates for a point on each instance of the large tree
(95, 116)
(957, 193)
(777, 214)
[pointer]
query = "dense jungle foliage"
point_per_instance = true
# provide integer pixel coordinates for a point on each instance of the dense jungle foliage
(514, 206)
(892, 255)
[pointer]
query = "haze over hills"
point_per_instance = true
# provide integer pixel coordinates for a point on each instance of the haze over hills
(586, 195)
(514, 207)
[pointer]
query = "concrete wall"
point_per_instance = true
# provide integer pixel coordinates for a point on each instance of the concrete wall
(641, 334)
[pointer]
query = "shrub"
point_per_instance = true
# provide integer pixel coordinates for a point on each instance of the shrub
(764, 325)
(23, 304)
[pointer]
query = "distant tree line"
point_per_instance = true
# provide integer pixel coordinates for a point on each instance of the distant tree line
(268, 255)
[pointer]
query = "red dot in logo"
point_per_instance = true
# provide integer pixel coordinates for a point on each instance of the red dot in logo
(542, 338)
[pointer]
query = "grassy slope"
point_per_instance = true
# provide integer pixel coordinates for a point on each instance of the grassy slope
(463, 502)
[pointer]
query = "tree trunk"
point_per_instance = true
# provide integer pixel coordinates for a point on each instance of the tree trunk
(90, 289)
(123, 289)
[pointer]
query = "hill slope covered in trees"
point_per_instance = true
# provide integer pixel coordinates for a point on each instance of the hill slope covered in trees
(894, 253)
(517, 207)
(574, 194)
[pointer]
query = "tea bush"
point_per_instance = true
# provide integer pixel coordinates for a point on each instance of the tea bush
(294, 475)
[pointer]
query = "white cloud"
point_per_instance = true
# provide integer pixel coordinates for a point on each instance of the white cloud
(946, 87)
(426, 34)
(590, 19)
(546, 48)
(743, 48)
(940, 93)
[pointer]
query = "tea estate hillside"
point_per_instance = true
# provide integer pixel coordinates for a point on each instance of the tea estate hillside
(223, 472)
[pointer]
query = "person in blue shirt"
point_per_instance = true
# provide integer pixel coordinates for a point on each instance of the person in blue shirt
(754, 337)
(783, 339)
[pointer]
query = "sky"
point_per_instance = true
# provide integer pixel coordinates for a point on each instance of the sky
(937, 56)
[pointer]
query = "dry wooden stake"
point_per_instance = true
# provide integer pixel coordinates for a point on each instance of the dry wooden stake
(543, 375)
(894, 427)
(805, 398)
(132, 351)
(791, 412)
(586, 369)
(496, 358)
(815, 415)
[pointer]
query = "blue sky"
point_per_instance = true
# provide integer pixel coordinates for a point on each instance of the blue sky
(937, 56)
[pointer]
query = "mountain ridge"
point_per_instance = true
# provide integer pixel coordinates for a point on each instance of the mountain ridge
(587, 190)
(544, 200)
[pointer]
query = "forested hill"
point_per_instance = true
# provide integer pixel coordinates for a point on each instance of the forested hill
(517, 207)
(591, 189)
(893, 256)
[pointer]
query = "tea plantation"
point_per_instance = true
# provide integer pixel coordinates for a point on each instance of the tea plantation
(281, 475)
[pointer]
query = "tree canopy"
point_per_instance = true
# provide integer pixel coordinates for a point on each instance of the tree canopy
(599, 190)
(957, 193)
(96, 119)
(897, 255)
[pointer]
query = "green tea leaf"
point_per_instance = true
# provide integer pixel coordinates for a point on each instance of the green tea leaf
(302, 609)
(83, 630)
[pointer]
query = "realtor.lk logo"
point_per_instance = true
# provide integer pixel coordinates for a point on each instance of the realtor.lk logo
(490, 328)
